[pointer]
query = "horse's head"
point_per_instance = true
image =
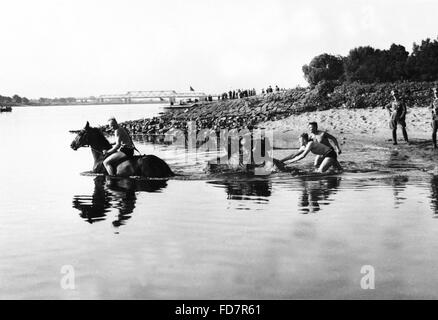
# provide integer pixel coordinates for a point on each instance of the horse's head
(90, 137)
(82, 139)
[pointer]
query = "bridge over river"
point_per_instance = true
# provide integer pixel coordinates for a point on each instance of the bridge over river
(138, 96)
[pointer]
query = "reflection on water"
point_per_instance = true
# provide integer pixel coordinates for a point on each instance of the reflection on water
(434, 194)
(317, 192)
(399, 184)
(113, 194)
(253, 190)
(399, 160)
(313, 192)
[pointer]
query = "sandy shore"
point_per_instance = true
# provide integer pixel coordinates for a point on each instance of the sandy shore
(365, 139)
(363, 125)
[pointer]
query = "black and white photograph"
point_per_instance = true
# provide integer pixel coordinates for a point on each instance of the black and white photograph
(219, 151)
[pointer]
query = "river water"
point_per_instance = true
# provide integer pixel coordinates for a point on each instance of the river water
(200, 236)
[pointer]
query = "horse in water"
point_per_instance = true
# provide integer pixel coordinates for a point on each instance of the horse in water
(252, 155)
(149, 166)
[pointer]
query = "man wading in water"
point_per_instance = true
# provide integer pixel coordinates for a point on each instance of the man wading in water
(397, 112)
(434, 107)
(322, 137)
(122, 150)
(328, 154)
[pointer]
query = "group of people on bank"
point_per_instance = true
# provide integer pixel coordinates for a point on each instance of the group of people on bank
(237, 94)
(269, 90)
(245, 93)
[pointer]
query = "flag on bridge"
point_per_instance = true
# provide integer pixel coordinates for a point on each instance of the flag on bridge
(191, 89)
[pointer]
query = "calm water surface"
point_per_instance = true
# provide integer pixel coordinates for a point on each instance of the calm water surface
(205, 237)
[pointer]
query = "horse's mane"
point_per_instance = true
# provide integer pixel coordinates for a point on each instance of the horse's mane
(101, 140)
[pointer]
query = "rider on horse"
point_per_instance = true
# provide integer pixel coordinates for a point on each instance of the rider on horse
(122, 150)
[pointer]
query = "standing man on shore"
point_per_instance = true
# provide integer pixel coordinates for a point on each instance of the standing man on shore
(322, 137)
(397, 112)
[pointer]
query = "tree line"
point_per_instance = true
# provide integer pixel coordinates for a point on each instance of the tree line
(15, 99)
(48, 101)
(369, 65)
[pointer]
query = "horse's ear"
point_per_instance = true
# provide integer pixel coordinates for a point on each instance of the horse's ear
(87, 126)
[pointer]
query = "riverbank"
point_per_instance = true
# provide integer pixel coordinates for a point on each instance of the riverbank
(353, 110)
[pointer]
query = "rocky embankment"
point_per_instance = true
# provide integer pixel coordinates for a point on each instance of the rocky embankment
(230, 114)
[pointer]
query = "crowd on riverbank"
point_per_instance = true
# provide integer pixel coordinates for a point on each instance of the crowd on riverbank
(237, 94)
(245, 93)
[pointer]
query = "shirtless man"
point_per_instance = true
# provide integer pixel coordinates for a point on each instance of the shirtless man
(322, 137)
(122, 150)
(434, 107)
(397, 112)
(329, 156)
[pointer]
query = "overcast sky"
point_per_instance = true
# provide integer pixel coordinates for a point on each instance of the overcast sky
(60, 48)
